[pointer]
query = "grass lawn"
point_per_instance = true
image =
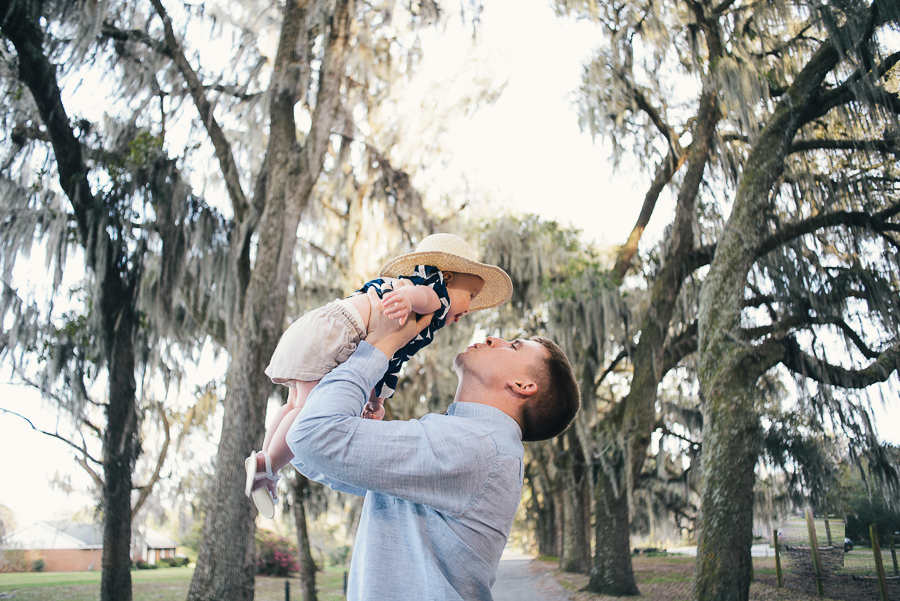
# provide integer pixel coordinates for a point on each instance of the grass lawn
(166, 584)
(669, 578)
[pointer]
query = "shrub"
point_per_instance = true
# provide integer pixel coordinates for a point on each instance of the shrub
(13, 560)
(275, 555)
(173, 562)
(38, 565)
(143, 565)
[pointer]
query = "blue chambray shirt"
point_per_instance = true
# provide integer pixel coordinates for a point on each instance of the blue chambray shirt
(441, 491)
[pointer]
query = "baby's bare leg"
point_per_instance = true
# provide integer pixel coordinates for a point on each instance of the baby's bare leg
(275, 445)
(279, 417)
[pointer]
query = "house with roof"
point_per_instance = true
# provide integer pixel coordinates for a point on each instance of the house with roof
(151, 546)
(78, 547)
(64, 546)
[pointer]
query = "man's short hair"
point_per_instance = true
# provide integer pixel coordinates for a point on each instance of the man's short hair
(550, 410)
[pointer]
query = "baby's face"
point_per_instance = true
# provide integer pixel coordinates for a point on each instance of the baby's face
(462, 288)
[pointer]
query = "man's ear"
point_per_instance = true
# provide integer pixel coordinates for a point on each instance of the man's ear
(522, 388)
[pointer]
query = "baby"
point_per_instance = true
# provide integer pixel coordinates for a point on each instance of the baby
(442, 278)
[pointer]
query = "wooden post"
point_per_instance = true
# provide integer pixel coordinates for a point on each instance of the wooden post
(777, 556)
(893, 553)
(828, 533)
(814, 544)
(879, 566)
(287, 590)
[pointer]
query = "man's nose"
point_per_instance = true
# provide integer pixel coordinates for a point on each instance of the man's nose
(493, 341)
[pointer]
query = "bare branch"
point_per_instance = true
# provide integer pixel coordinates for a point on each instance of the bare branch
(80, 449)
(623, 354)
(655, 118)
(670, 165)
(205, 108)
(887, 146)
(148, 488)
(98, 480)
(109, 31)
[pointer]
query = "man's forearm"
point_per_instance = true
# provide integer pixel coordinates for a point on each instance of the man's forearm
(338, 397)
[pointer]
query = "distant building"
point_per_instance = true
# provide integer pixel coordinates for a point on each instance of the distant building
(78, 547)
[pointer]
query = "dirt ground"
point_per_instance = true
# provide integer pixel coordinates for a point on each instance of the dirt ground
(669, 579)
(847, 588)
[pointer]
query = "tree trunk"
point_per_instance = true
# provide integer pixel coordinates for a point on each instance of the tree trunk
(630, 427)
(611, 572)
(546, 525)
(305, 560)
(116, 300)
(575, 552)
(728, 367)
(120, 442)
(543, 511)
(731, 443)
(545, 505)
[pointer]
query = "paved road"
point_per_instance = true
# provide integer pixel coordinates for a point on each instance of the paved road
(517, 581)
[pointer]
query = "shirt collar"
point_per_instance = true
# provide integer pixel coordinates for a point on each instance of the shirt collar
(484, 412)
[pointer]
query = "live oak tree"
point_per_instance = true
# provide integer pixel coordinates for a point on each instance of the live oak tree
(561, 290)
(805, 273)
(688, 85)
(86, 196)
(633, 110)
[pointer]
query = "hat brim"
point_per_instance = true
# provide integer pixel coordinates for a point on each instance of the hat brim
(497, 285)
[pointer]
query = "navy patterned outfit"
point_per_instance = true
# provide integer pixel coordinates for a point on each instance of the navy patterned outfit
(423, 275)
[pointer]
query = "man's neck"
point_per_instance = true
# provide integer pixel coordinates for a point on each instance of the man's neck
(498, 400)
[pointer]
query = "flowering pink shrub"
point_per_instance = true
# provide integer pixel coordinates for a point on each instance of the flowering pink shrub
(275, 555)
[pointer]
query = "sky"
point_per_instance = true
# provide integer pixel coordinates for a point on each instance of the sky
(535, 169)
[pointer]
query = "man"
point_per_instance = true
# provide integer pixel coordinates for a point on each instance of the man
(441, 491)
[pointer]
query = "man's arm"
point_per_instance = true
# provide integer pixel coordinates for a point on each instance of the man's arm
(398, 457)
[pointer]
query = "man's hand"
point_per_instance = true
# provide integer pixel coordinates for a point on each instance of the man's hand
(386, 334)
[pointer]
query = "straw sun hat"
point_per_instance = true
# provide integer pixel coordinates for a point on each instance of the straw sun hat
(451, 253)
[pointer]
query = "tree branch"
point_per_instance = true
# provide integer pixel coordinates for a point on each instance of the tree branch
(39, 75)
(798, 361)
(205, 109)
(82, 449)
(679, 347)
(847, 92)
(884, 145)
(623, 354)
(148, 488)
(98, 480)
(877, 223)
(109, 31)
(655, 118)
(664, 173)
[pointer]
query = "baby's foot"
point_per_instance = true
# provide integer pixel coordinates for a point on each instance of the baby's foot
(373, 410)
(260, 483)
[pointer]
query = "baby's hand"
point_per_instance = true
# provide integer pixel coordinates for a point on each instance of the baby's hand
(397, 304)
(374, 409)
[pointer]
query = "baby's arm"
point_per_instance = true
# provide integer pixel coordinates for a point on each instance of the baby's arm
(408, 298)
